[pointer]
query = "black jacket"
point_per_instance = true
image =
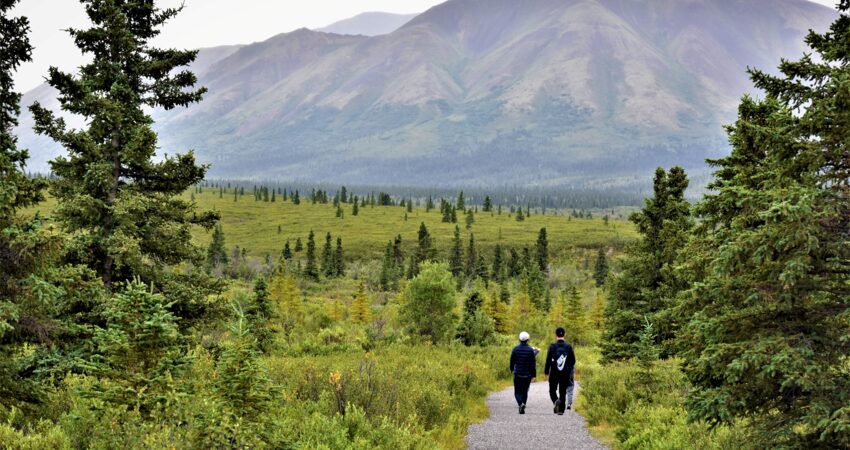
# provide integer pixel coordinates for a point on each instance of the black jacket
(552, 353)
(523, 362)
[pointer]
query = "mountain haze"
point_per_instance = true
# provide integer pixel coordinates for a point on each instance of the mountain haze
(486, 92)
(369, 24)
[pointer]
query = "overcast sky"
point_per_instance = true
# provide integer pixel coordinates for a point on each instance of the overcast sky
(204, 23)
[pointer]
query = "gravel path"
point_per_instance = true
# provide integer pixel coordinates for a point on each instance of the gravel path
(538, 428)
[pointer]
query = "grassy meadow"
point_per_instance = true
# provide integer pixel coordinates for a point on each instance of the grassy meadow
(253, 225)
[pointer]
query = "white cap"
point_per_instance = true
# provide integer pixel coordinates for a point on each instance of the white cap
(524, 336)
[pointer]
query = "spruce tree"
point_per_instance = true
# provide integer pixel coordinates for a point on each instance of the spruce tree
(328, 269)
(456, 257)
(498, 272)
(388, 267)
(361, 309)
(339, 259)
(600, 272)
(430, 204)
(461, 202)
(643, 288)
(767, 310)
(488, 204)
(311, 270)
(542, 254)
(287, 251)
(471, 258)
(120, 205)
(520, 216)
(470, 219)
(217, 251)
(355, 207)
(424, 251)
(514, 264)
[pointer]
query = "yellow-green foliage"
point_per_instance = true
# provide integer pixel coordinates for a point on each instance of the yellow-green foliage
(286, 295)
(633, 408)
(361, 309)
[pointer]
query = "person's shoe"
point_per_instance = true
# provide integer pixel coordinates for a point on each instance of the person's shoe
(522, 408)
(557, 406)
(570, 406)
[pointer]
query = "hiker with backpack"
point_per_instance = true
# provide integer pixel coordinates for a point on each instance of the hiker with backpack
(560, 368)
(524, 368)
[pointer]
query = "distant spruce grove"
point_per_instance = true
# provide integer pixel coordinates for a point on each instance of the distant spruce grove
(117, 332)
(465, 262)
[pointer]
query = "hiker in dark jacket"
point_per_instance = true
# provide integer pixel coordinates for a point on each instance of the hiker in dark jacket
(560, 368)
(524, 368)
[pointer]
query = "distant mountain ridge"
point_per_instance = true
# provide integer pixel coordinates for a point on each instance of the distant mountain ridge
(369, 24)
(551, 92)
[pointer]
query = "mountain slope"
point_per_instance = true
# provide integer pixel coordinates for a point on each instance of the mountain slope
(493, 92)
(368, 24)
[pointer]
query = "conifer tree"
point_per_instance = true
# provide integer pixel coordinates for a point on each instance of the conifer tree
(121, 207)
(409, 206)
(339, 259)
(430, 204)
(424, 251)
(488, 204)
(471, 258)
(388, 269)
(311, 270)
(328, 269)
(470, 219)
(461, 202)
(456, 257)
(577, 325)
(361, 309)
(542, 254)
(259, 314)
(217, 251)
(767, 310)
(642, 289)
(600, 272)
(498, 272)
(519, 215)
(597, 311)
(284, 293)
(514, 264)
(453, 215)
(355, 207)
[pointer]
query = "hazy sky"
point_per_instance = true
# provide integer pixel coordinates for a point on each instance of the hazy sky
(204, 23)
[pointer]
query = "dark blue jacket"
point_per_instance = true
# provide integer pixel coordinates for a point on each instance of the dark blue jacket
(523, 362)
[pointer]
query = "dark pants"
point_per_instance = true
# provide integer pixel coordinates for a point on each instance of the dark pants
(559, 384)
(521, 385)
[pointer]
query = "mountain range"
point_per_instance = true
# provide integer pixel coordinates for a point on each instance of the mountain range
(483, 92)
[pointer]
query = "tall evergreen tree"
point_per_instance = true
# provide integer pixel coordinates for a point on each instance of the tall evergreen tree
(470, 219)
(328, 269)
(488, 204)
(471, 258)
(287, 251)
(217, 251)
(600, 271)
(311, 270)
(767, 333)
(642, 289)
(456, 257)
(461, 202)
(339, 259)
(498, 272)
(542, 254)
(121, 207)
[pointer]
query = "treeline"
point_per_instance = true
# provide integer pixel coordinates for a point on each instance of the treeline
(534, 197)
(750, 288)
(342, 196)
